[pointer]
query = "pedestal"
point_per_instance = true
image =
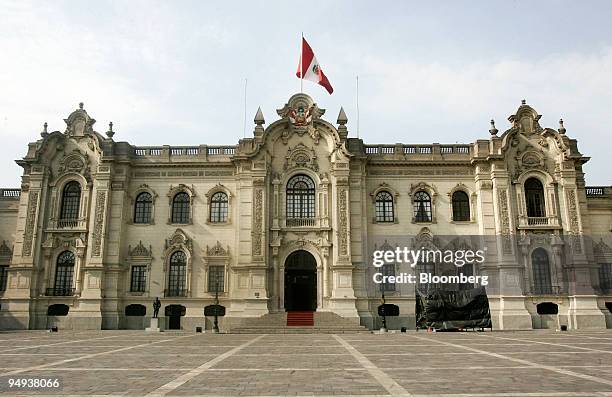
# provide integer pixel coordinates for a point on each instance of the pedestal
(154, 325)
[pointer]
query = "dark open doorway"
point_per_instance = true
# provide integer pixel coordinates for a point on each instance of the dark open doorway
(174, 314)
(300, 281)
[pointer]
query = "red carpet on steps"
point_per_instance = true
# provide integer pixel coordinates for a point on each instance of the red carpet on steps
(300, 319)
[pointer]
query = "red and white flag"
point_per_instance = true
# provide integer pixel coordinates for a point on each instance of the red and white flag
(309, 68)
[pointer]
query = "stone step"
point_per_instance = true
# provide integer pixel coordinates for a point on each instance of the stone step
(324, 322)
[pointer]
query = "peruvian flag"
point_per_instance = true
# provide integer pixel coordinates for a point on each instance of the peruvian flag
(309, 68)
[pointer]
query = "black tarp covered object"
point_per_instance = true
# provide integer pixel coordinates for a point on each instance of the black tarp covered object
(453, 309)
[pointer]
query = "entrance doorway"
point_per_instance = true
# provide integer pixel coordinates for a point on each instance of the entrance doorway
(174, 314)
(301, 282)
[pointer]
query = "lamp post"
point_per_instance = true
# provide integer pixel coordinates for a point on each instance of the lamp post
(216, 322)
(384, 318)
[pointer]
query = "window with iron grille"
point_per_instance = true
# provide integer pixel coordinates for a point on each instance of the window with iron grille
(461, 206)
(138, 281)
(534, 195)
(180, 208)
(64, 272)
(300, 197)
(216, 278)
(388, 269)
(541, 271)
(3, 277)
(218, 208)
(422, 207)
(605, 277)
(177, 274)
(424, 288)
(384, 207)
(71, 199)
(467, 270)
(143, 208)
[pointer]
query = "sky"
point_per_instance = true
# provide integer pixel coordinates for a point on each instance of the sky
(173, 72)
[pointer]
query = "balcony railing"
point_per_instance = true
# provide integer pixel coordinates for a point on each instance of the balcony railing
(10, 193)
(301, 222)
(538, 222)
(175, 292)
(595, 191)
(80, 223)
(544, 290)
(59, 291)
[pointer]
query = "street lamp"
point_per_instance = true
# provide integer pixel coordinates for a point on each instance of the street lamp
(216, 322)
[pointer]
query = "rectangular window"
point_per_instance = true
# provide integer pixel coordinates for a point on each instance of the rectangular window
(605, 277)
(139, 279)
(3, 277)
(216, 278)
(176, 280)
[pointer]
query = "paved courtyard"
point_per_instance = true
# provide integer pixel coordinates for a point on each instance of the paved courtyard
(529, 363)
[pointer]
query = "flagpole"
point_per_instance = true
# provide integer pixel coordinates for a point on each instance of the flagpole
(302, 64)
(357, 78)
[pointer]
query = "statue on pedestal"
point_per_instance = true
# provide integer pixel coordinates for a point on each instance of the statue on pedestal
(156, 306)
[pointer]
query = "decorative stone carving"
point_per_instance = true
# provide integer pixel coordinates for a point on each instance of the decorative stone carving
(300, 112)
(526, 120)
(99, 223)
(573, 210)
(79, 123)
(217, 250)
(504, 216)
(28, 234)
(139, 251)
(301, 156)
(257, 234)
(342, 222)
(178, 240)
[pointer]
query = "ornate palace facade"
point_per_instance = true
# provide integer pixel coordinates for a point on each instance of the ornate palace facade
(287, 219)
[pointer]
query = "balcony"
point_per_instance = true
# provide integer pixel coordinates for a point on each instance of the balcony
(301, 222)
(68, 224)
(59, 292)
(538, 222)
(175, 292)
(544, 290)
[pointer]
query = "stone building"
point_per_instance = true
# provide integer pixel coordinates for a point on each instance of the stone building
(286, 220)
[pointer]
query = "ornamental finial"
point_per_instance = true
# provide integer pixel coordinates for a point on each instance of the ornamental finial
(44, 132)
(110, 131)
(493, 131)
(561, 127)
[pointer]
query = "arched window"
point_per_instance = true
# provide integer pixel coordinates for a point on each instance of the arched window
(218, 207)
(143, 207)
(300, 197)
(534, 195)
(541, 271)
(71, 200)
(384, 207)
(64, 272)
(180, 208)
(422, 207)
(177, 274)
(461, 206)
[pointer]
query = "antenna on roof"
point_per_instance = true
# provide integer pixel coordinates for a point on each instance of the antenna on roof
(245, 109)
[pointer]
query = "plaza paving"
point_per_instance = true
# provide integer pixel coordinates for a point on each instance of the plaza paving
(529, 363)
